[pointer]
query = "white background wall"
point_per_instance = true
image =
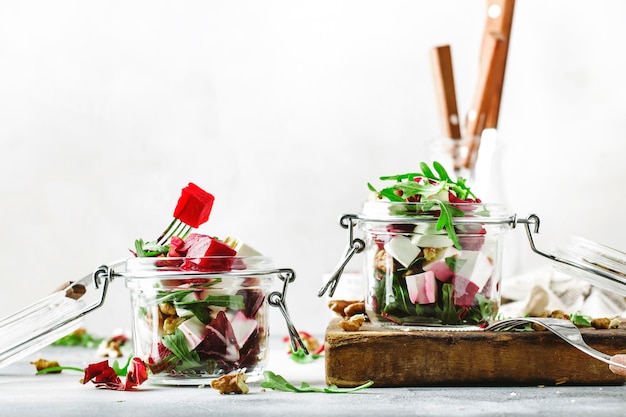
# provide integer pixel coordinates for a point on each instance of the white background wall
(284, 110)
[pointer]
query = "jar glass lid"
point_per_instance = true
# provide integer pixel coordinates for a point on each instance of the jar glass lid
(595, 263)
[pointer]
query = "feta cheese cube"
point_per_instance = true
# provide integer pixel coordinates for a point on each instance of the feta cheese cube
(432, 241)
(402, 250)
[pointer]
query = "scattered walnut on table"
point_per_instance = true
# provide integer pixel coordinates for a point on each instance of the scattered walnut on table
(231, 384)
(347, 308)
(353, 323)
(42, 364)
(605, 323)
(597, 323)
(555, 314)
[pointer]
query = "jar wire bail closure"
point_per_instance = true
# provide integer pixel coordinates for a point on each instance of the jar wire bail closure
(355, 246)
(278, 299)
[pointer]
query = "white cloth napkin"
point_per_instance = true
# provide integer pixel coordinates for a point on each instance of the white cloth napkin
(548, 289)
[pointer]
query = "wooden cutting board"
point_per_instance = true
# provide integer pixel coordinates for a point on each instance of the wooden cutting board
(396, 358)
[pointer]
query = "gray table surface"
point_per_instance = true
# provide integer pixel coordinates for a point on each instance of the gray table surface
(22, 393)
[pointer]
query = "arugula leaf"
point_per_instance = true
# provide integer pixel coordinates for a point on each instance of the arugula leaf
(278, 383)
(139, 248)
(454, 263)
(427, 172)
(581, 319)
(218, 300)
(78, 338)
(443, 174)
(176, 343)
(300, 357)
(55, 369)
(410, 176)
(447, 311)
(150, 249)
(446, 221)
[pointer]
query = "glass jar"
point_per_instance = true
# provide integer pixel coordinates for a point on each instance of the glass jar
(190, 326)
(420, 274)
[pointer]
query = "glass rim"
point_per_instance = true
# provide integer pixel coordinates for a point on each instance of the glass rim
(379, 211)
(209, 266)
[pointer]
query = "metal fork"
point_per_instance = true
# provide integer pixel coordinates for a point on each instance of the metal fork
(176, 228)
(564, 329)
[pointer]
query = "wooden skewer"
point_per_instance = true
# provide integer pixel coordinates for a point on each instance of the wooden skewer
(485, 108)
(441, 59)
(478, 112)
(499, 22)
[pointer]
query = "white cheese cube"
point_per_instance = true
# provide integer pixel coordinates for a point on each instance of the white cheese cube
(402, 249)
(476, 267)
(432, 241)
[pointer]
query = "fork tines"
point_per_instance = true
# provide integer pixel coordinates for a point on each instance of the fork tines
(175, 228)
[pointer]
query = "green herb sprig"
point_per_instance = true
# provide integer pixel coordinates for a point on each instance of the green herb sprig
(406, 187)
(278, 383)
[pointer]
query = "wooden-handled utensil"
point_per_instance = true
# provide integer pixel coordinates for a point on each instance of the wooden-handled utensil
(441, 59)
(486, 105)
(477, 115)
(498, 25)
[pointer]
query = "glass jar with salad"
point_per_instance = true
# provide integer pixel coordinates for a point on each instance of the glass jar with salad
(433, 251)
(199, 303)
(191, 324)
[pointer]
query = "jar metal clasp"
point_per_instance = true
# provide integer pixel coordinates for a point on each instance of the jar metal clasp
(278, 299)
(355, 245)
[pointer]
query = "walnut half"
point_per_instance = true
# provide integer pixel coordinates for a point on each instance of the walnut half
(353, 323)
(347, 308)
(231, 384)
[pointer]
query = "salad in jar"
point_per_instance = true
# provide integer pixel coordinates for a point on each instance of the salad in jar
(199, 303)
(433, 251)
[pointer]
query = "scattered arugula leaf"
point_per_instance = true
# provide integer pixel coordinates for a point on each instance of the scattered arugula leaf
(55, 369)
(278, 383)
(78, 338)
(580, 319)
(300, 357)
(119, 371)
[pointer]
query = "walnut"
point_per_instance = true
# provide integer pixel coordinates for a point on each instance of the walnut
(353, 323)
(605, 323)
(167, 309)
(347, 308)
(355, 308)
(42, 364)
(559, 314)
(429, 253)
(311, 343)
(380, 261)
(73, 291)
(171, 323)
(338, 306)
(601, 323)
(231, 384)
(110, 348)
(555, 314)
